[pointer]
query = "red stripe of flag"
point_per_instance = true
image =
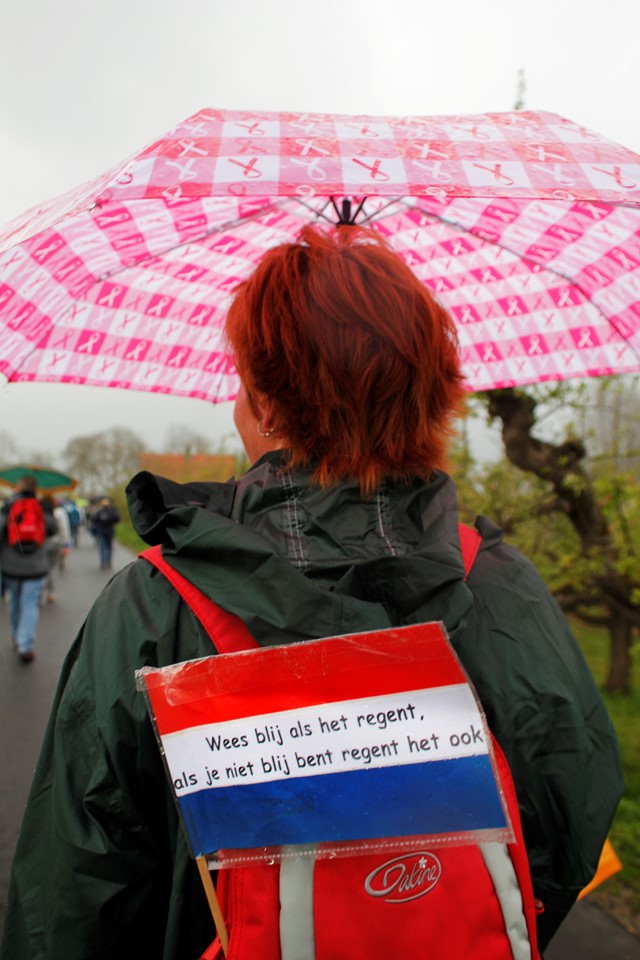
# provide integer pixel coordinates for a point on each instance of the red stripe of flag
(271, 679)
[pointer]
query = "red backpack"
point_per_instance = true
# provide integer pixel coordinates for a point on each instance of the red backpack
(455, 902)
(26, 529)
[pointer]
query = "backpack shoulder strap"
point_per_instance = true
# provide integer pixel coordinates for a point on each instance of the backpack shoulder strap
(227, 632)
(470, 540)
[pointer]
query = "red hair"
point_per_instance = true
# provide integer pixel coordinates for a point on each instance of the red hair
(359, 362)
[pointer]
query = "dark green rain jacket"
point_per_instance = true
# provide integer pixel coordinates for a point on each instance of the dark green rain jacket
(102, 868)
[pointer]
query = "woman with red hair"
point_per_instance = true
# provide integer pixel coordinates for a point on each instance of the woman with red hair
(346, 361)
(345, 522)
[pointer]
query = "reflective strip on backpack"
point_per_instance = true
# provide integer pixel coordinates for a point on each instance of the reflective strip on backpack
(498, 863)
(297, 940)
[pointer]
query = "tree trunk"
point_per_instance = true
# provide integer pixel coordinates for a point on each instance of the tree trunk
(621, 638)
(560, 466)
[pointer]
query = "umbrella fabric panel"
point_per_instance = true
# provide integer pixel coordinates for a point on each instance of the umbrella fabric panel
(523, 153)
(155, 326)
(66, 322)
(502, 269)
(526, 311)
(44, 216)
(594, 246)
(531, 154)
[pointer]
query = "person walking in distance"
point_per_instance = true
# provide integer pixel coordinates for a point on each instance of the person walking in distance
(53, 545)
(104, 520)
(24, 528)
(73, 515)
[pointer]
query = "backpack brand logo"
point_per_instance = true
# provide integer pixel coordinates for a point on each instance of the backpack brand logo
(404, 878)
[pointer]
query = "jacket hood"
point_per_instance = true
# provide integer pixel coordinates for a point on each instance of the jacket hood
(295, 561)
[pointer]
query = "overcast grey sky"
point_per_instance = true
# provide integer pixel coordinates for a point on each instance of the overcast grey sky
(84, 85)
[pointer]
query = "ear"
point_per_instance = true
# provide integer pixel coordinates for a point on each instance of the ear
(264, 410)
(256, 403)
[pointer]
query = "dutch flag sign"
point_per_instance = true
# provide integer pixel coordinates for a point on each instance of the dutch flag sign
(368, 739)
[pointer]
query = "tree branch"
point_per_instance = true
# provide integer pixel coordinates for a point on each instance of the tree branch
(557, 464)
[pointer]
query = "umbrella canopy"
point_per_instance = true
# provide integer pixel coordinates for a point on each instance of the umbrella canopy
(526, 227)
(49, 481)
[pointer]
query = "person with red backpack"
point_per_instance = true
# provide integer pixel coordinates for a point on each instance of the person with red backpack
(24, 528)
(346, 522)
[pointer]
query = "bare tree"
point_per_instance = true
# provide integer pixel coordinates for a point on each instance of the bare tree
(9, 453)
(185, 441)
(104, 462)
(612, 423)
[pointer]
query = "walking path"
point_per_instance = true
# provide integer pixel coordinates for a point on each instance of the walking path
(27, 690)
(26, 693)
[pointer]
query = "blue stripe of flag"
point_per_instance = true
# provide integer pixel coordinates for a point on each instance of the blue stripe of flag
(443, 796)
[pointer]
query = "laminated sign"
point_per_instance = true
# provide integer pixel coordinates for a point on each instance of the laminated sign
(362, 742)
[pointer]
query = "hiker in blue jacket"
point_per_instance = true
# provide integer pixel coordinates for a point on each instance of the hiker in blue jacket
(24, 568)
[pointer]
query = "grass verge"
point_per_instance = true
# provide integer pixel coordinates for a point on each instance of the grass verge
(620, 895)
(126, 535)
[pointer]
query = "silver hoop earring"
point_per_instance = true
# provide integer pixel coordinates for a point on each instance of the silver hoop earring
(264, 433)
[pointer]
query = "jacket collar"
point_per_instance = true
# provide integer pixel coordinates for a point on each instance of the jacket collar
(294, 561)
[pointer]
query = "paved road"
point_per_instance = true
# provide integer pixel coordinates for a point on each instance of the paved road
(26, 692)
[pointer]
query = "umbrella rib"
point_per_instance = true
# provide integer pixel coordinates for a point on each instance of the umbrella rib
(320, 214)
(377, 213)
(317, 213)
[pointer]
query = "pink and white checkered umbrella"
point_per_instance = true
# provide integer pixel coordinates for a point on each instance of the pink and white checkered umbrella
(525, 225)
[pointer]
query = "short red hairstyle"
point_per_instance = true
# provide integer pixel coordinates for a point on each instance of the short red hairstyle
(359, 361)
